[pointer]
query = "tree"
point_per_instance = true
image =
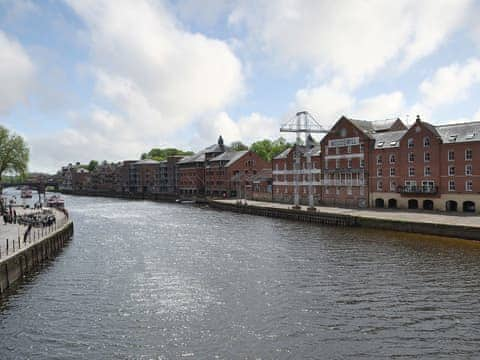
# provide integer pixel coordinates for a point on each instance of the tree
(268, 149)
(92, 165)
(14, 153)
(238, 146)
(161, 154)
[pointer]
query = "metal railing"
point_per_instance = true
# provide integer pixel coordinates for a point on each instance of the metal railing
(24, 239)
(429, 190)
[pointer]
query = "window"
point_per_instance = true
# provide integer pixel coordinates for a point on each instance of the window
(326, 150)
(451, 170)
(337, 190)
(379, 172)
(349, 190)
(326, 190)
(426, 156)
(468, 170)
(326, 164)
(349, 164)
(379, 185)
(451, 185)
(392, 159)
(362, 148)
(426, 141)
(337, 163)
(427, 171)
(379, 159)
(393, 186)
(411, 171)
(362, 191)
(362, 163)
(410, 185)
(349, 149)
(337, 150)
(468, 154)
(451, 155)
(410, 143)
(411, 157)
(469, 185)
(392, 171)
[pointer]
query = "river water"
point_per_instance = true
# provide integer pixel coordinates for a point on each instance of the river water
(145, 280)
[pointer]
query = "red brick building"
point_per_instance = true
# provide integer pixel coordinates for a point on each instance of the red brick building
(231, 173)
(283, 175)
(191, 169)
(346, 159)
(434, 168)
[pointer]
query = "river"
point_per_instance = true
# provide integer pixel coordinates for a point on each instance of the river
(145, 280)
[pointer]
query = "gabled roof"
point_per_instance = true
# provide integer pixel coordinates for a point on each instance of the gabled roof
(388, 139)
(229, 156)
(200, 156)
(370, 127)
(316, 150)
(462, 132)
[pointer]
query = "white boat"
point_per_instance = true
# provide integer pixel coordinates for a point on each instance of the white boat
(55, 201)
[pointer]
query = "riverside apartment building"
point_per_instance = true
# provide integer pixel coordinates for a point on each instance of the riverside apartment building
(427, 167)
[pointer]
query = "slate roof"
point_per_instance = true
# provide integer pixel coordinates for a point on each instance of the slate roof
(200, 156)
(463, 132)
(389, 139)
(229, 156)
(316, 150)
(374, 126)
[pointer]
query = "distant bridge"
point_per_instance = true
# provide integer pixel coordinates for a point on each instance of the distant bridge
(39, 186)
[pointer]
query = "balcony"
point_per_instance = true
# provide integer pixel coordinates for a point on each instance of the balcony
(418, 190)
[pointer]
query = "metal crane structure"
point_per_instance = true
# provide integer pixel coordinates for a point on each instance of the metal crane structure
(302, 123)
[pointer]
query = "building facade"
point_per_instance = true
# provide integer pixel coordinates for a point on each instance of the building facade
(434, 169)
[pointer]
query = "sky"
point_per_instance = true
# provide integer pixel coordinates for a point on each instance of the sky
(110, 79)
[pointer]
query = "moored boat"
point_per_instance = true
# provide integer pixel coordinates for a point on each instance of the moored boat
(55, 201)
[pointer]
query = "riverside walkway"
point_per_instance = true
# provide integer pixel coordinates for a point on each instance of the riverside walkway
(12, 235)
(453, 220)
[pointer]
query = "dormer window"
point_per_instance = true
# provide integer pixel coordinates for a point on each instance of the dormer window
(426, 142)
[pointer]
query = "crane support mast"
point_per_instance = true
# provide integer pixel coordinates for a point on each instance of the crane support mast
(302, 123)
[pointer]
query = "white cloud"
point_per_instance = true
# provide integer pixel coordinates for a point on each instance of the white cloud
(450, 84)
(140, 53)
(381, 106)
(155, 76)
(326, 103)
(351, 39)
(246, 129)
(16, 73)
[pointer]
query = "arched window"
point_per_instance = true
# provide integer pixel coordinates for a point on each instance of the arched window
(426, 141)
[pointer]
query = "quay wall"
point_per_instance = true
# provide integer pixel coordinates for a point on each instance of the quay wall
(130, 196)
(16, 266)
(444, 230)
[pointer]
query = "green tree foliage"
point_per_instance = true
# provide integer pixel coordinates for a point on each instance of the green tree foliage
(162, 154)
(14, 153)
(268, 149)
(92, 165)
(238, 146)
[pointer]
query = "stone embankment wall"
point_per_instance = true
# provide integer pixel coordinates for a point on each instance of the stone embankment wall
(16, 266)
(444, 230)
(131, 196)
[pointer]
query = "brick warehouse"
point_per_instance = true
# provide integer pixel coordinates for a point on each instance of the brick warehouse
(346, 158)
(232, 173)
(428, 167)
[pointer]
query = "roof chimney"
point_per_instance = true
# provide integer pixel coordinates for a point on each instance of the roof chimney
(220, 140)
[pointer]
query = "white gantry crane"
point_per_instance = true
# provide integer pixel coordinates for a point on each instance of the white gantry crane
(302, 123)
